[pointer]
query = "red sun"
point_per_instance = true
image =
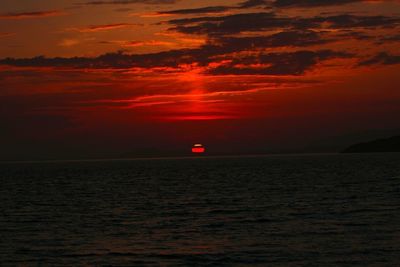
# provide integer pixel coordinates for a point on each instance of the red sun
(198, 149)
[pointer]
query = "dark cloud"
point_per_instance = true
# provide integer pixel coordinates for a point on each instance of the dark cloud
(286, 63)
(127, 2)
(214, 9)
(201, 10)
(353, 21)
(354, 35)
(312, 3)
(254, 3)
(266, 4)
(382, 58)
(172, 58)
(266, 21)
(294, 3)
(229, 24)
(254, 22)
(122, 9)
(31, 15)
(6, 34)
(297, 3)
(220, 47)
(105, 27)
(286, 38)
(392, 38)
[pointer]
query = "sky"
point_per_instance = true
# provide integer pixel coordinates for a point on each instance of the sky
(110, 78)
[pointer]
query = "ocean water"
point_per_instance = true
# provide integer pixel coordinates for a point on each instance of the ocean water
(310, 210)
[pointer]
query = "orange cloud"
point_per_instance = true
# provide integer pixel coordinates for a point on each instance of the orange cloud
(151, 15)
(106, 27)
(6, 34)
(32, 15)
(148, 43)
(69, 42)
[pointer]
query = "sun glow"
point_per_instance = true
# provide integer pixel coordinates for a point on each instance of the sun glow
(198, 149)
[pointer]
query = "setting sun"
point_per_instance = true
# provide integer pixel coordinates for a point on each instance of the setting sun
(198, 149)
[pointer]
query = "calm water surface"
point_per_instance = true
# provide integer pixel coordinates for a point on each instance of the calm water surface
(320, 210)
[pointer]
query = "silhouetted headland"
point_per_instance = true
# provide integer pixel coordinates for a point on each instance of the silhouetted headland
(381, 145)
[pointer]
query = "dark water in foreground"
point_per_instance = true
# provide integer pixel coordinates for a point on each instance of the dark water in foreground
(320, 210)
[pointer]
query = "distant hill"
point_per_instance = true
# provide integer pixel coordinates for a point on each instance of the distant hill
(336, 143)
(381, 145)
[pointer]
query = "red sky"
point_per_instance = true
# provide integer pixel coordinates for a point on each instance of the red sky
(131, 77)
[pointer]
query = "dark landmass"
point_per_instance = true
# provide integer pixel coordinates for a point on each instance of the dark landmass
(336, 143)
(381, 145)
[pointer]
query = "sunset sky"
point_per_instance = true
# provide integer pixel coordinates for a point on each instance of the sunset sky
(129, 77)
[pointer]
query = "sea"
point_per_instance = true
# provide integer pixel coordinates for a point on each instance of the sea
(278, 210)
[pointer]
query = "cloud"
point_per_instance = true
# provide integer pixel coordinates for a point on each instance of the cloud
(354, 35)
(213, 9)
(105, 27)
(69, 42)
(256, 22)
(302, 3)
(201, 10)
(286, 63)
(123, 9)
(266, 4)
(220, 48)
(392, 38)
(312, 3)
(253, 3)
(293, 38)
(6, 34)
(382, 58)
(229, 24)
(31, 15)
(127, 2)
(147, 43)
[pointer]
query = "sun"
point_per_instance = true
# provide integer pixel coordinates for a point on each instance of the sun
(198, 149)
